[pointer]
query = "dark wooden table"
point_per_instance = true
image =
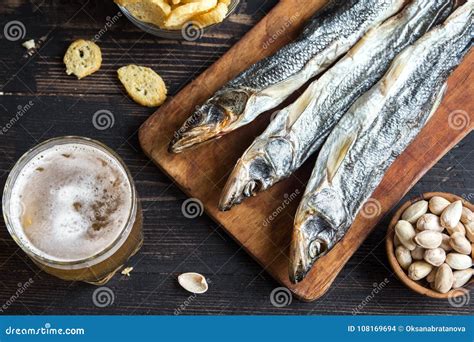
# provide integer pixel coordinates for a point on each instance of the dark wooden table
(174, 244)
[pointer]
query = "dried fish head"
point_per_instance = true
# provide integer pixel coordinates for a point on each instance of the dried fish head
(247, 179)
(262, 165)
(317, 228)
(212, 119)
(319, 232)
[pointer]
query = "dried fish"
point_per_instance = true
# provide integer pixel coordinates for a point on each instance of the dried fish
(368, 138)
(266, 84)
(301, 128)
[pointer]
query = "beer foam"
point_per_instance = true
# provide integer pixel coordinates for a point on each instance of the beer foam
(70, 202)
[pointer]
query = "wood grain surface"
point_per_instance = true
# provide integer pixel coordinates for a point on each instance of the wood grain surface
(173, 243)
(202, 172)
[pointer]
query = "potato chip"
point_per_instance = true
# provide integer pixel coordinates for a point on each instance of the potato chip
(150, 11)
(190, 1)
(216, 15)
(174, 14)
(182, 14)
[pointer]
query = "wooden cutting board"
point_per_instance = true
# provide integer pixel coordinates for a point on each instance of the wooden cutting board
(263, 224)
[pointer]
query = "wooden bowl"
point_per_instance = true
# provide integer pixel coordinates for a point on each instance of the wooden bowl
(415, 285)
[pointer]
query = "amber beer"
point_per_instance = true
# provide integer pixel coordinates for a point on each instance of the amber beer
(71, 205)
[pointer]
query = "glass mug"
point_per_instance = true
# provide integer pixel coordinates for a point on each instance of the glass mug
(71, 205)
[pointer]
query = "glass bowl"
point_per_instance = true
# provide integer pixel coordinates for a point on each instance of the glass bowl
(188, 32)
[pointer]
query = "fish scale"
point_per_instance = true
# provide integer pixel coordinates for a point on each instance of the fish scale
(266, 84)
(300, 129)
(293, 57)
(372, 134)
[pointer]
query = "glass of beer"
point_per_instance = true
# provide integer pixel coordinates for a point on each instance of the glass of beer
(71, 205)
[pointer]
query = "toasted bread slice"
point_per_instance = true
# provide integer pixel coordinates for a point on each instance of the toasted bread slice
(82, 58)
(143, 85)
